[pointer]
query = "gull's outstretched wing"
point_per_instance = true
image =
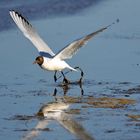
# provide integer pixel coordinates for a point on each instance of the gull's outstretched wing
(30, 33)
(71, 49)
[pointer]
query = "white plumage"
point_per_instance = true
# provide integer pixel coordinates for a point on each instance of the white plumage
(48, 60)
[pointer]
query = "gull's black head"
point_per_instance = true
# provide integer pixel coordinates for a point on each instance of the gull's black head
(39, 60)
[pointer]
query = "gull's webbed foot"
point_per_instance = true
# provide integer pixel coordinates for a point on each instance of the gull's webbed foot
(66, 81)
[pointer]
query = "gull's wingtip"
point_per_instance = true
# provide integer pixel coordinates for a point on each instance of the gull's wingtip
(12, 11)
(116, 21)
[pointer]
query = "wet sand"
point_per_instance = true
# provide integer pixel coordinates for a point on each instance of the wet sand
(105, 107)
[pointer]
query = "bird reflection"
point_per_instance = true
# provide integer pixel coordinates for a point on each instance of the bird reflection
(56, 111)
(66, 87)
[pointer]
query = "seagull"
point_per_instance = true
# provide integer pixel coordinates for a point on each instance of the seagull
(47, 59)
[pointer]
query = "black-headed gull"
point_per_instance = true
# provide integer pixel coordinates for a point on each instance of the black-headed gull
(47, 59)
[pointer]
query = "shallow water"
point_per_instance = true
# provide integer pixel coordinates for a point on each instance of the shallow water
(106, 106)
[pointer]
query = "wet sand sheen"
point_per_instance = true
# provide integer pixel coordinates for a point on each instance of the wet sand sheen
(106, 106)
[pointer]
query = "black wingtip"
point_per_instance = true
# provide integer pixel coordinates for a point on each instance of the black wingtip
(11, 10)
(20, 15)
(116, 21)
(16, 13)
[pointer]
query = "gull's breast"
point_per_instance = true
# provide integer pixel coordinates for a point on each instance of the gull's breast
(54, 64)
